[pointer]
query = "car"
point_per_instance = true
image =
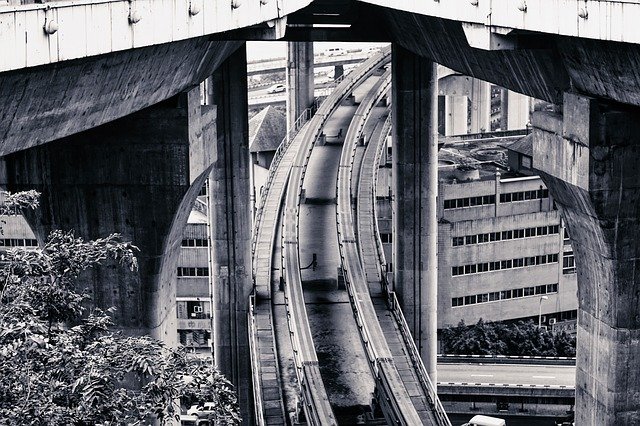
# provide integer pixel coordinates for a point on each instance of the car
(277, 88)
(334, 51)
(201, 410)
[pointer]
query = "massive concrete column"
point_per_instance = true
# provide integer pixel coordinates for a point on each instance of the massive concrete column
(415, 186)
(589, 159)
(137, 176)
(300, 84)
(480, 106)
(457, 111)
(230, 217)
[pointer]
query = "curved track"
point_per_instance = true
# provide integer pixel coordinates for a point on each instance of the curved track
(289, 170)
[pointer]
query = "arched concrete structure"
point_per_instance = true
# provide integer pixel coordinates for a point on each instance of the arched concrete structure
(589, 157)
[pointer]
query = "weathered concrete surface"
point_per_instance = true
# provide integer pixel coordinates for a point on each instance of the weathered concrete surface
(544, 67)
(135, 177)
(300, 79)
(230, 216)
(415, 168)
(589, 158)
(46, 103)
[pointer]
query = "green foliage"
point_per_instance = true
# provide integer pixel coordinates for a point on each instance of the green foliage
(61, 365)
(497, 338)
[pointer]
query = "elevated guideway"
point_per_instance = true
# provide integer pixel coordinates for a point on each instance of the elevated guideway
(291, 162)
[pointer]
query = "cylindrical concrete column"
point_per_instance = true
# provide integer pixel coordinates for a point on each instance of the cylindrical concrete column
(588, 159)
(300, 82)
(456, 116)
(480, 106)
(415, 183)
(229, 213)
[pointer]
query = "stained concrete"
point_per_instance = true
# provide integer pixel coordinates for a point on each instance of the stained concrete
(589, 159)
(134, 177)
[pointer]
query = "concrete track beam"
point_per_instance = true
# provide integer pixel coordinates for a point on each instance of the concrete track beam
(589, 159)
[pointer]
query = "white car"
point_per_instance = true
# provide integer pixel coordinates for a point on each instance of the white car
(334, 51)
(277, 88)
(201, 410)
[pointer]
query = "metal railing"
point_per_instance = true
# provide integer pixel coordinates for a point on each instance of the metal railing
(255, 362)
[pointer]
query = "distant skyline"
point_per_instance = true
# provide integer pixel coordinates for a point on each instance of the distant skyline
(277, 49)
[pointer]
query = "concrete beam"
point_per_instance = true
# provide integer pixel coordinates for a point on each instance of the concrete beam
(588, 158)
(47, 103)
(415, 169)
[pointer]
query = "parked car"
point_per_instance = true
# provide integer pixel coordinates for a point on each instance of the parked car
(277, 88)
(201, 410)
(481, 420)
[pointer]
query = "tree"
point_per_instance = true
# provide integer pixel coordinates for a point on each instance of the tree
(499, 338)
(59, 362)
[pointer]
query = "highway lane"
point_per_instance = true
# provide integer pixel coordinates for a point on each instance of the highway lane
(560, 375)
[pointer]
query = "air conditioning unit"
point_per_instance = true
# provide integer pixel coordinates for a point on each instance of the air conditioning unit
(552, 321)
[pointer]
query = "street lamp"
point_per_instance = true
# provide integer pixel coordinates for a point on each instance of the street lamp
(540, 310)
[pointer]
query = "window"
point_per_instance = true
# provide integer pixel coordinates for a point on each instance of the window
(541, 230)
(470, 300)
(458, 241)
(193, 272)
(385, 238)
(541, 289)
(457, 270)
(529, 291)
(553, 258)
(483, 267)
(530, 232)
(554, 229)
(494, 296)
(483, 298)
(552, 288)
(494, 236)
(518, 233)
(505, 294)
(471, 239)
(525, 161)
(195, 242)
(507, 235)
(568, 263)
(518, 292)
(469, 269)
(518, 263)
(457, 301)
(483, 238)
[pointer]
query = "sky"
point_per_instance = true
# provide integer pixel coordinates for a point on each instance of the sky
(277, 49)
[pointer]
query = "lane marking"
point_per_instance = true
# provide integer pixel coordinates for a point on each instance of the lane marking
(544, 377)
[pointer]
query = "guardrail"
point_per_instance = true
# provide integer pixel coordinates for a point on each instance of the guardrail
(255, 360)
(506, 359)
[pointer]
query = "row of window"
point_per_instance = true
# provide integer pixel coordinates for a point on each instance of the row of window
(504, 295)
(192, 272)
(509, 197)
(18, 242)
(458, 203)
(195, 242)
(505, 235)
(504, 264)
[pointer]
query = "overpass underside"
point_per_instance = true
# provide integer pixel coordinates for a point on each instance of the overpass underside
(86, 132)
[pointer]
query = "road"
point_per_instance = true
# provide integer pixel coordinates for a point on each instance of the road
(507, 374)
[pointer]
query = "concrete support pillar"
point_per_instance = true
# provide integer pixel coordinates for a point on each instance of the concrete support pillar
(338, 71)
(589, 159)
(415, 183)
(517, 111)
(300, 81)
(456, 115)
(230, 215)
(504, 109)
(137, 176)
(480, 106)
